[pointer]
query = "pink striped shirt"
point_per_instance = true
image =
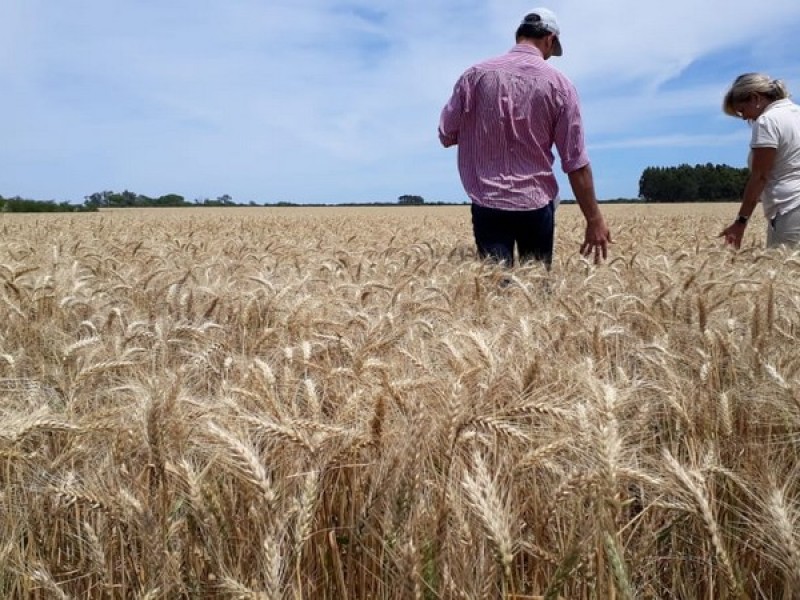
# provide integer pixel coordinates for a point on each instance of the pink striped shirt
(506, 114)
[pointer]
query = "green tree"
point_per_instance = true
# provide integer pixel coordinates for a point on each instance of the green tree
(98, 199)
(698, 183)
(169, 200)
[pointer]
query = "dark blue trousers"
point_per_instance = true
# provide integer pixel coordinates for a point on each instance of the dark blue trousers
(498, 231)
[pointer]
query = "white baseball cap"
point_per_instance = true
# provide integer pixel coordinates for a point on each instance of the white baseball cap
(544, 18)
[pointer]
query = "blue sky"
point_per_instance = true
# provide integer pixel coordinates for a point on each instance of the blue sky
(338, 101)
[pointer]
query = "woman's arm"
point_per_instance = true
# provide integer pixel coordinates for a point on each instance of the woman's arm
(763, 159)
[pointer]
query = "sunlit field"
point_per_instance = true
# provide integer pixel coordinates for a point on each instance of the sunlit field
(344, 403)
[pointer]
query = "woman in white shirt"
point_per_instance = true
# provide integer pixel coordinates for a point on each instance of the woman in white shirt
(774, 157)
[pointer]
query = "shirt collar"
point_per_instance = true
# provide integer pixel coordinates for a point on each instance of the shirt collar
(777, 103)
(527, 49)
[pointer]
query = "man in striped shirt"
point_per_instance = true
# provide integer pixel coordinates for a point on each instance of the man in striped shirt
(505, 115)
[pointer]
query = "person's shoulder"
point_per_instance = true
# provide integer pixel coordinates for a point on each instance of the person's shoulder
(559, 80)
(787, 107)
(558, 75)
(781, 112)
(492, 62)
(781, 106)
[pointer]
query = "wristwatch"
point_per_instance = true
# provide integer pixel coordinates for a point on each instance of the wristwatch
(742, 220)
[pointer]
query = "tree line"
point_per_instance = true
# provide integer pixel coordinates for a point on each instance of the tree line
(128, 199)
(17, 204)
(110, 199)
(700, 183)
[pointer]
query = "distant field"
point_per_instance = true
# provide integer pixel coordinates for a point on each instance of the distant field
(344, 403)
(691, 216)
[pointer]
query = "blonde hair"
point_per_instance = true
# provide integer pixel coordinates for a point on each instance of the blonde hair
(753, 83)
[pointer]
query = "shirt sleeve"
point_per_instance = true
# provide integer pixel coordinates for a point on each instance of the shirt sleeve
(569, 135)
(765, 134)
(450, 120)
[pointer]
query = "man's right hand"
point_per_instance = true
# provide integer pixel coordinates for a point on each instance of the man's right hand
(596, 239)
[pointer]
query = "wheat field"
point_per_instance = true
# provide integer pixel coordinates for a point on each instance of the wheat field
(346, 404)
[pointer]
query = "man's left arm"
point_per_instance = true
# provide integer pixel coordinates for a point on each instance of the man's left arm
(571, 145)
(569, 137)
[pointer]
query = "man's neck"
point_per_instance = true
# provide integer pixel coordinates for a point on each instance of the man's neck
(538, 44)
